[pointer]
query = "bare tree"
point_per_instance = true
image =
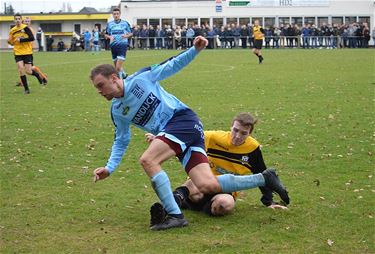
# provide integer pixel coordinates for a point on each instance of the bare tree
(69, 7)
(9, 9)
(63, 9)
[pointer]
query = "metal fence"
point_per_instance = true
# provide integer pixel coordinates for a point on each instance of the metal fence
(217, 41)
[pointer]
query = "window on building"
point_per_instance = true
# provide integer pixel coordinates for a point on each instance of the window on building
(231, 21)
(141, 22)
(166, 22)
(77, 28)
(244, 21)
(297, 21)
(99, 26)
(310, 20)
(51, 27)
(350, 20)
(364, 20)
(205, 21)
(154, 22)
(269, 22)
(337, 20)
(258, 18)
(218, 22)
(322, 20)
(180, 22)
(284, 20)
(192, 22)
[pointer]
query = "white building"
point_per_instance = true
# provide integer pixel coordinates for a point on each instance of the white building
(269, 12)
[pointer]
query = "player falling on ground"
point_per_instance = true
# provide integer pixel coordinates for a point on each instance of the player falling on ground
(43, 76)
(118, 31)
(229, 152)
(258, 33)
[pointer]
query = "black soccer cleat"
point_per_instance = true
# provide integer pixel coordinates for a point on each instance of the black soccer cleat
(260, 59)
(273, 182)
(44, 81)
(170, 222)
(26, 92)
(157, 214)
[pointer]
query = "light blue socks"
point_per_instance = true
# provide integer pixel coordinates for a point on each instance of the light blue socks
(122, 74)
(162, 186)
(231, 183)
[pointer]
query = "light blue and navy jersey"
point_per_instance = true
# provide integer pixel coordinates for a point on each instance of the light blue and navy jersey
(117, 29)
(96, 36)
(145, 103)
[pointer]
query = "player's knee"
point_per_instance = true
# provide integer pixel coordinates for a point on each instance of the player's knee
(21, 70)
(222, 205)
(146, 162)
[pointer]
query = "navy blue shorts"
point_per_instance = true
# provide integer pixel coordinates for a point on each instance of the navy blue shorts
(184, 134)
(119, 52)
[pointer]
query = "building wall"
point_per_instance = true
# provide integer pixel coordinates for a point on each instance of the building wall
(67, 25)
(132, 11)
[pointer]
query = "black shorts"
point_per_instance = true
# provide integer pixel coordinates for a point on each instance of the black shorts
(203, 205)
(258, 44)
(27, 59)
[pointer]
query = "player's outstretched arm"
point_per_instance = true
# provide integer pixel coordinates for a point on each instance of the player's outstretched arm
(200, 43)
(176, 63)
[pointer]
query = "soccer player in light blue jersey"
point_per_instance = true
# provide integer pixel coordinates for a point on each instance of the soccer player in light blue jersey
(118, 31)
(139, 100)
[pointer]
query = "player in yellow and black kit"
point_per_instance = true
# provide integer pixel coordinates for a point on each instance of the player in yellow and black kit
(21, 37)
(43, 80)
(258, 33)
(234, 152)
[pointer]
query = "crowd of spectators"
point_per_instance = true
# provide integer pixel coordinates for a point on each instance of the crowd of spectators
(355, 35)
(329, 36)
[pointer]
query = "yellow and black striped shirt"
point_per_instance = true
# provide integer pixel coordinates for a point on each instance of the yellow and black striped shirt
(24, 46)
(258, 33)
(226, 158)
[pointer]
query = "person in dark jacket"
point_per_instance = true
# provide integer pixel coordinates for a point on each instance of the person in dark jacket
(243, 35)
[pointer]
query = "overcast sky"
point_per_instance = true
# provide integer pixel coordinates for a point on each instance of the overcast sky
(29, 6)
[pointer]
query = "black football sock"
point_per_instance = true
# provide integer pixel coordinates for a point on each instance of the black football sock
(24, 82)
(180, 194)
(37, 76)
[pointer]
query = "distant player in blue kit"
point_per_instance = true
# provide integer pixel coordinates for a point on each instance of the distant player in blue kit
(141, 101)
(118, 31)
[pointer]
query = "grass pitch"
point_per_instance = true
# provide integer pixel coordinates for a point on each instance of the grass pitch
(316, 125)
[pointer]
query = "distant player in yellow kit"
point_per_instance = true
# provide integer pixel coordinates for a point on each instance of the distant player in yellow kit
(258, 33)
(21, 37)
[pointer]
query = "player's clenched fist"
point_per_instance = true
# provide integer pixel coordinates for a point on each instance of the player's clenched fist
(100, 173)
(200, 43)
